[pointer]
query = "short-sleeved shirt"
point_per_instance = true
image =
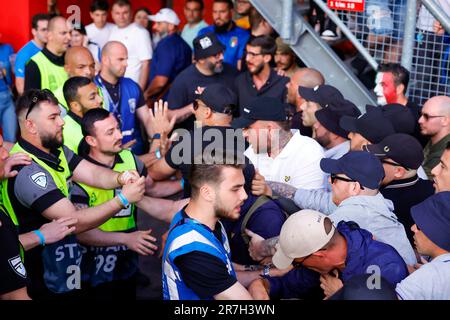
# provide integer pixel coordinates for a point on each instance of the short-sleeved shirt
(177, 158)
(31, 192)
(430, 282)
(205, 274)
(13, 275)
(99, 36)
(23, 56)
(189, 34)
(234, 41)
(137, 40)
(172, 55)
(5, 66)
(182, 91)
(274, 87)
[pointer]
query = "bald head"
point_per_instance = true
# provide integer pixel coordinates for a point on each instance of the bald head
(305, 77)
(112, 47)
(58, 35)
(435, 119)
(114, 60)
(56, 23)
(439, 104)
(78, 61)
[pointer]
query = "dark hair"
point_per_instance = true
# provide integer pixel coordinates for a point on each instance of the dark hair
(90, 118)
(229, 2)
(448, 146)
(122, 3)
(255, 18)
(101, 5)
(400, 73)
(267, 44)
(33, 97)
(71, 86)
(39, 17)
(200, 2)
(80, 28)
(208, 169)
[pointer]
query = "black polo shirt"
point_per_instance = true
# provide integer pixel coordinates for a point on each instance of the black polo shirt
(274, 87)
(182, 91)
(404, 194)
(32, 73)
(31, 192)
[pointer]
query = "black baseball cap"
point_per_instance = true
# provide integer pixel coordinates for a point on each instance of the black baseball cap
(372, 125)
(322, 94)
(360, 166)
(219, 98)
(400, 147)
(261, 108)
(207, 45)
(330, 115)
(400, 116)
(357, 288)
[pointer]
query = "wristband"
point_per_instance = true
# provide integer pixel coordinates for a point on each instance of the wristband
(156, 136)
(41, 237)
(119, 202)
(266, 270)
(158, 154)
(182, 183)
(124, 200)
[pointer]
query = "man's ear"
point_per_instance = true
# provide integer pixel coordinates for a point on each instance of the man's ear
(400, 89)
(30, 126)
(354, 188)
(91, 141)
(207, 193)
(399, 172)
(75, 106)
(267, 58)
(320, 254)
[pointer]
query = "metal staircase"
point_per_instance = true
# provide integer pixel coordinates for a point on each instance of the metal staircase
(312, 50)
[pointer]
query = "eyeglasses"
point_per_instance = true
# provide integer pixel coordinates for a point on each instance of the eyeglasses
(335, 177)
(42, 95)
(253, 54)
(428, 117)
(228, 109)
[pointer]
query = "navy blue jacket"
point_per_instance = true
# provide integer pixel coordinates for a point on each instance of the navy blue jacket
(362, 253)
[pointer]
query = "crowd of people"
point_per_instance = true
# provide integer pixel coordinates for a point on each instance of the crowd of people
(274, 184)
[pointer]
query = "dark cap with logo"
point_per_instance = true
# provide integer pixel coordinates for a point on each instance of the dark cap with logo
(219, 98)
(330, 115)
(207, 45)
(400, 147)
(322, 94)
(372, 125)
(261, 108)
(360, 166)
(432, 217)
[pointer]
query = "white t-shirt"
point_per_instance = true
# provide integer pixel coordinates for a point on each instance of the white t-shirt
(298, 164)
(137, 41)
(99, 36)
(430, 282)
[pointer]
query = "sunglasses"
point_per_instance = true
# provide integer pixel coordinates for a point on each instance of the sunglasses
(428, 117)
(393, 163)
(228, 110)
(42, 95)
(335, 177)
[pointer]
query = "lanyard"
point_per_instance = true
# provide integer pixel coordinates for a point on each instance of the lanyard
(114, 107)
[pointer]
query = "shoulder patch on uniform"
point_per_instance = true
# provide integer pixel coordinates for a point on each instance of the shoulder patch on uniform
(18, 267)
(40, 179)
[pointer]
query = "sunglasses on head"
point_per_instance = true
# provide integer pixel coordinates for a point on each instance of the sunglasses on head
(42, 95)
(335, 177)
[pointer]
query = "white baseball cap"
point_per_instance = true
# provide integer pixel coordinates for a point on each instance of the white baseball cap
(165, 15)
(302, 234)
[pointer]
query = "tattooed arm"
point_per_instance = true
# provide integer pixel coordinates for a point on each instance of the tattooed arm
(282, 189)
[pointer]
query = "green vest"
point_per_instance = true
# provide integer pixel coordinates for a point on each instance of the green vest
(59, 94)
(72, 133)
(60, 178)
(52, 76)
(123, 220)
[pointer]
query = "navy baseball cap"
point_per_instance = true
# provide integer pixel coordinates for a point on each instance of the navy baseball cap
(330, 115)
(432, 217)
(207, 45)
(400, 116)
(372, 125)
(323, 94)
(219, 98)
(261, 108)
(360, 166)
(400, 147)
(356, 288)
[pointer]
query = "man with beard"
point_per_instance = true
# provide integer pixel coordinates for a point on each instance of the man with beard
(435, 123)
(197, 259)
(231, 36)
(45, 70)
(39, 193)
(208, 69)
(260, 80)
(193, 11)
(285, 58)
(81, 95)
(172, 54)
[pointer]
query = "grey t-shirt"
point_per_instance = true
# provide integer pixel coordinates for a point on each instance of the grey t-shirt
(430, 282)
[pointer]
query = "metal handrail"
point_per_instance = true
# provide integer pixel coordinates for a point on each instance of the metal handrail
(437, 12)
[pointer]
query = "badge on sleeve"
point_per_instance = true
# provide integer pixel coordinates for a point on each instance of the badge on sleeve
(40, 179)
(18, 267)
